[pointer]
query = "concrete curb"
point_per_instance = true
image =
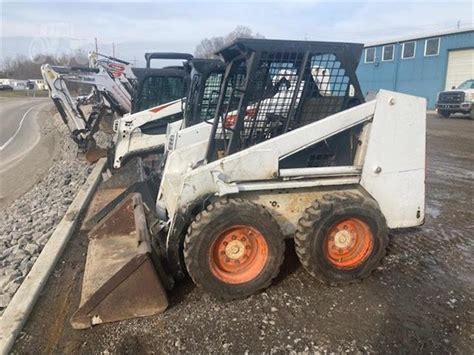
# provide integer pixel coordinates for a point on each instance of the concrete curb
(19, 308)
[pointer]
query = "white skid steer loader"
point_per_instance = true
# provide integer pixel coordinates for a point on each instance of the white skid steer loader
(118, 90)
(145, 131)
(112, 84)
(291, 153)
(143, 135)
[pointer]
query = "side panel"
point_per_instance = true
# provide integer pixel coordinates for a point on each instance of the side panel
(394, 166)
(192, 135)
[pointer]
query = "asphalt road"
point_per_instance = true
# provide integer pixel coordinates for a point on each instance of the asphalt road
(19, 130)
(420, 300)
(26, 144)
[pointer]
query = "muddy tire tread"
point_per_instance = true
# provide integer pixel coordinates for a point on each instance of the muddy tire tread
(204, 218)
(313, 216)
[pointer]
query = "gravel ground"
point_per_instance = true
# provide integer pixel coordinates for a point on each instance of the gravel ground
(27, 224)
(419, 301)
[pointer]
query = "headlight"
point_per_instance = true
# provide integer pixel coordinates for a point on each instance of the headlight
(471, 96)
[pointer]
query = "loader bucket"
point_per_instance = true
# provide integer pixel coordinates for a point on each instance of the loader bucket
(94, 153)
(91, 152)
(129, 179)
(120, 280)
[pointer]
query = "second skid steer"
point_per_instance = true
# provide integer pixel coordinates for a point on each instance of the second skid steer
(292, 152)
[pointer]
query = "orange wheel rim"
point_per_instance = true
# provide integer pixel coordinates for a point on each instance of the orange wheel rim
(349, 243)
(238, 254)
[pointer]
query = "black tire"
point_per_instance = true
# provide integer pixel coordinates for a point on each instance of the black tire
(444, 113)
(319, 220)
(471, 113)
(209, 226)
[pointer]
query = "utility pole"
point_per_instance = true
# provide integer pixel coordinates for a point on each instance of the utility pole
(96, 45)
(459, 24)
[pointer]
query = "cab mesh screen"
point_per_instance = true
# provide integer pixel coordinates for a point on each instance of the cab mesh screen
(287, 90)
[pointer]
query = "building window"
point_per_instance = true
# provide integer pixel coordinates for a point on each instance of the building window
(432, 47)
(370, 55)
(408, 50)
(387, 53)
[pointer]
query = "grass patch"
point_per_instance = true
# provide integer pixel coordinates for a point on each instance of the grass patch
(24, 93)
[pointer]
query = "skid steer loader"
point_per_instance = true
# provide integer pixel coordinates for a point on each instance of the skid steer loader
(116, 194)
(292, 152)
(82, 115)
(117, 90)
(143, 135)
(145, 131)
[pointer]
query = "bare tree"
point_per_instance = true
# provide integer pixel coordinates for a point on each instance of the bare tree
(21, 67)
(208, 46)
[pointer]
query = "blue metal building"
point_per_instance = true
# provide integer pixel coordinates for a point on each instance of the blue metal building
(421, 65)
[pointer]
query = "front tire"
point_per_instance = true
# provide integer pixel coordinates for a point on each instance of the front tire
(341, 238)
(233, 248)
(443, 113)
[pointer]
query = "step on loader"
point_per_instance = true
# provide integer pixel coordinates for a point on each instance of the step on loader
(293, 151)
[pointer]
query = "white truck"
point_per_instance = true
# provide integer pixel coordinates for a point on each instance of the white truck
(457, 100)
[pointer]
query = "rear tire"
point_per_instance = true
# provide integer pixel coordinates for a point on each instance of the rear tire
(233, 248)
(443, 113)
(341, 238)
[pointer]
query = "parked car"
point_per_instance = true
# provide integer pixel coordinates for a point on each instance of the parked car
(5, 87)
(457, 100)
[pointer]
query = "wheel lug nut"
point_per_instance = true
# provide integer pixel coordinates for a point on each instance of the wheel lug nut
(234, 237)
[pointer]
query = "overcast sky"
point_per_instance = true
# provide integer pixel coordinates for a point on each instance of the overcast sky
(136, 27)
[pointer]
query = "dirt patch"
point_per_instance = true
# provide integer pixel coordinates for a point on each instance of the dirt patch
(419, 300)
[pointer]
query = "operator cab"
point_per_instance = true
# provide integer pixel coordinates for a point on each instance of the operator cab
(157, 86)
(274, 86)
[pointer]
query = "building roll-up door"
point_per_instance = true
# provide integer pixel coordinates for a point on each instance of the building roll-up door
(460, 67)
